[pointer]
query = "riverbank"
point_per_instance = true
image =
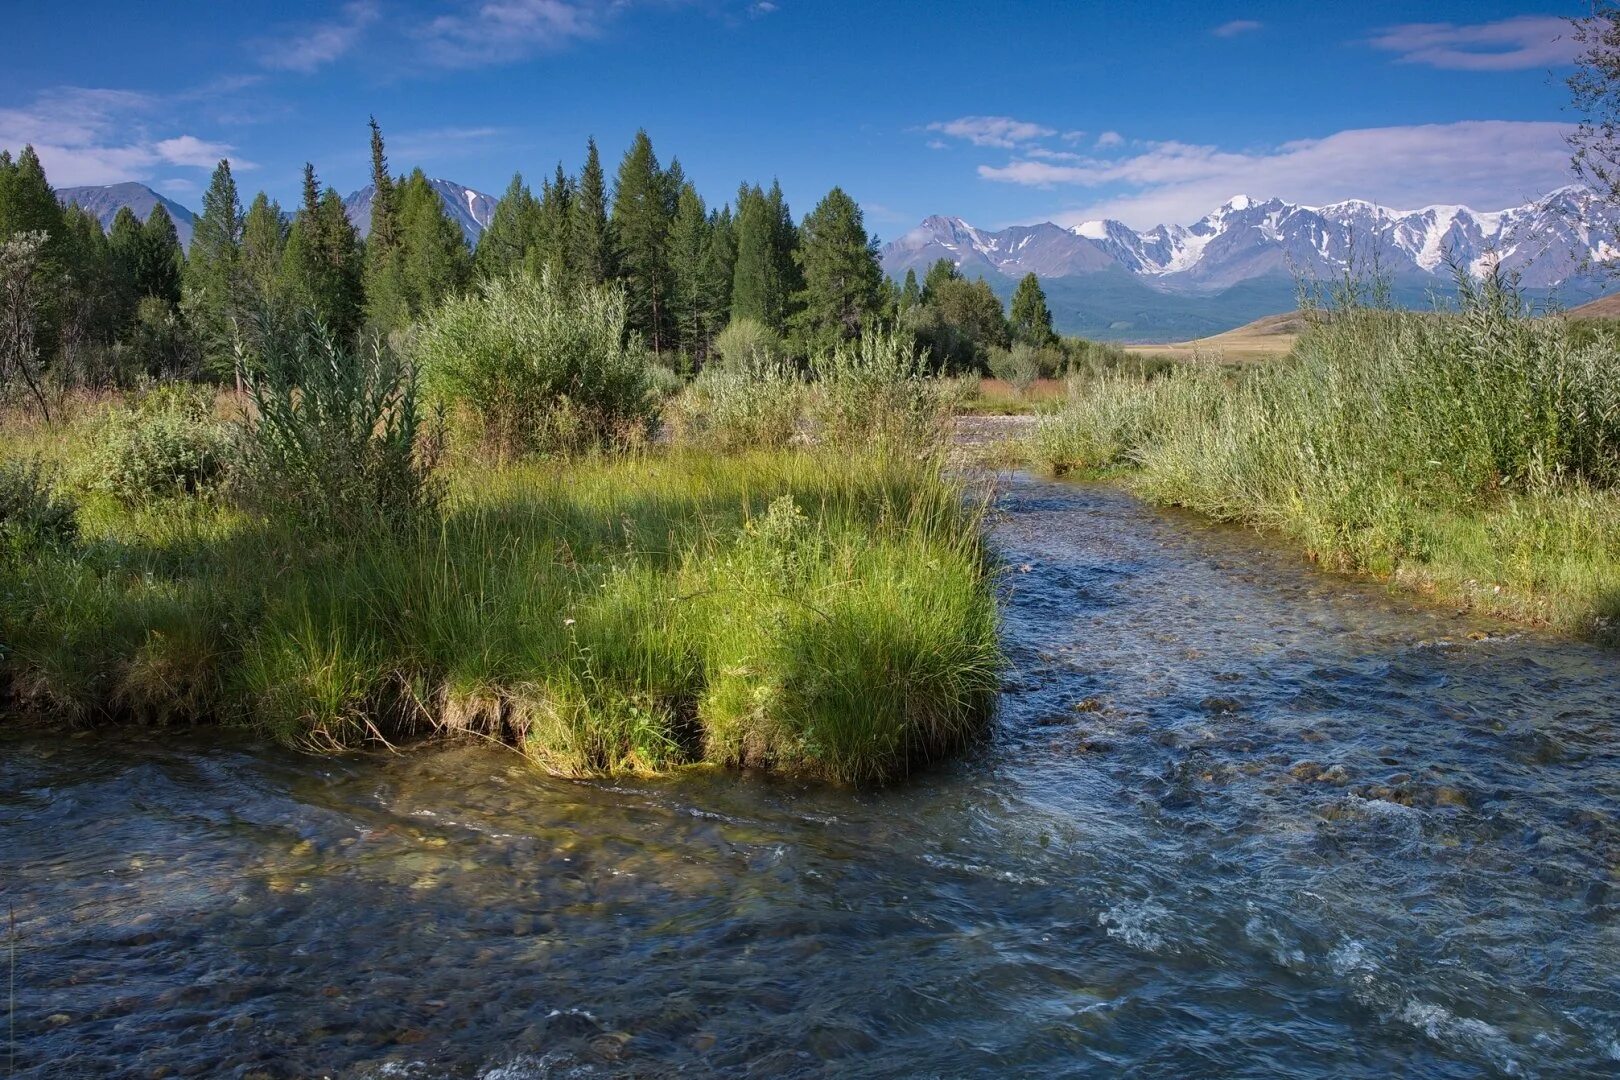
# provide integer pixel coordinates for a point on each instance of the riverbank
(824, 615)
(1472, 456)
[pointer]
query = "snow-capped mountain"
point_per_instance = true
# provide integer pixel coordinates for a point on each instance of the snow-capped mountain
(1546, 243)
(468, 208)
(105, 202)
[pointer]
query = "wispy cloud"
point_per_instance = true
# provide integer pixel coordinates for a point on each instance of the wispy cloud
(309, 47)
(1525, 41)
(1001, 131)
(1110, 139)
(1236, 27)
(500, 31)
(411, 147)
(98, 136)
(1486, 163)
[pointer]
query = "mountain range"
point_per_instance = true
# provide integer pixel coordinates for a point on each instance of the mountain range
(1246, 258)
(1242, 261)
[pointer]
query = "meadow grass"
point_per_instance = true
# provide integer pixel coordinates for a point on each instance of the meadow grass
(1475, 453)
(826, 614)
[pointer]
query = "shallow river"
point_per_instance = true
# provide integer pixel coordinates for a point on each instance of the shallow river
(1238, 819)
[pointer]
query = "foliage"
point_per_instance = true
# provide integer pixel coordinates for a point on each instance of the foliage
(32, 512)
(167, 443)
(540, 367)
(1019, 366)
(765, 277)
(1383, 431)
(336, 442)
(1030, 320)
(842, 292)
(643, 207)
(749, 347)
(876, 391)
(735, 408)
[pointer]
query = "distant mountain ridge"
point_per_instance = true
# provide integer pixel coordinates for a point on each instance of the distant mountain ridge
(1544, 243)
(105, 202)
(467, 207)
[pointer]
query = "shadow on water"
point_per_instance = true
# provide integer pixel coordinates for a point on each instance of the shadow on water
(1239, 819)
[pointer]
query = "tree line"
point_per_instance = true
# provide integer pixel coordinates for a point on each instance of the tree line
(87, 306)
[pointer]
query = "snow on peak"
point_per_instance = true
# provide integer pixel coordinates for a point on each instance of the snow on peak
(1238, 202)
(1092, 230)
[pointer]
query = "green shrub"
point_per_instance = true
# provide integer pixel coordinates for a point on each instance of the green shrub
(336, 445)
(876, 390)
(748, 347)
(540, 367)
(168, 443)
(1018, 366)
(727, 410)
(32, 512)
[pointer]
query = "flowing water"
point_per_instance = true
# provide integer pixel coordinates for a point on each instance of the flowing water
(1238, 819)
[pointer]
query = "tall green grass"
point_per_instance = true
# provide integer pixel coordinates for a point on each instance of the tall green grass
(830, 615)
(1476, 451)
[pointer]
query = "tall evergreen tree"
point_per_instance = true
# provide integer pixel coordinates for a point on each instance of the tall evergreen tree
(842, 277)
(434, 259)
(511, 233)
(942, 271)
(699, 274)
(321, 264)
(1030, 318)
(640, 240)
(550, 252)
(765, 276)
(124, 241)
(910, 293)
(212, 287)
(591, 246)
(162, 261)
(387, 304)
(29, 204)
(264, 239)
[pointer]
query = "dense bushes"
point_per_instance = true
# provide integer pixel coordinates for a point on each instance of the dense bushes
(32, 512)
(167, 443)
(1380, 440)
(336, 445)
(876, 389)
(537, 366)
(727, 409)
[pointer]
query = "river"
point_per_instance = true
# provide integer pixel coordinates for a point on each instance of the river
(1238, 818)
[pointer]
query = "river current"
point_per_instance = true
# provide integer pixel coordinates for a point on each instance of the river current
(1237, 818)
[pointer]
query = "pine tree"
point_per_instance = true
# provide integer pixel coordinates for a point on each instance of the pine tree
(910, 293)
(942, 271)
(321, 264)
(161, 264)
(552, 232)
(212, 287)
(511, 233)
(91, 309)
(1030, 318)
(843, 280)
(29, 204)
(264, 239)
(700, 273)
(386, 303)
(434, 260)
(124, 241)
(765, 275)
(640, 224)
(591, 247)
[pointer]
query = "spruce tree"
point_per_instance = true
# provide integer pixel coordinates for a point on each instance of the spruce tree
(321, 264)
(590, 247)
(124, 243)
(910, 293)
(765, 275)
(506, 241)
(640, 224)
(699, 273)
(843, 280)
(264, 238)
(212, 286)
(29, 204)
(1030, 318)
(434, 260)
(383, 235)
(161, 263)
(552, 231)
(942, 271)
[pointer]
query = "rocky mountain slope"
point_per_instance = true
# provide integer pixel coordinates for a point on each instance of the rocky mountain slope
(105, 202)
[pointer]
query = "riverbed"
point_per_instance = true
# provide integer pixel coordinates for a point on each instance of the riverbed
(1237, 818)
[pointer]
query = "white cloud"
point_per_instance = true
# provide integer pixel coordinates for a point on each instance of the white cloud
(1488, 164)
(1237, 27)
(313, 46)
(1524, 41)
(1002, 131)
(95, 136)
(499, 31)
(1110, 139)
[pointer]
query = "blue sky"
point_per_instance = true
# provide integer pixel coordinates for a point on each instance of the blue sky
(997, 112)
